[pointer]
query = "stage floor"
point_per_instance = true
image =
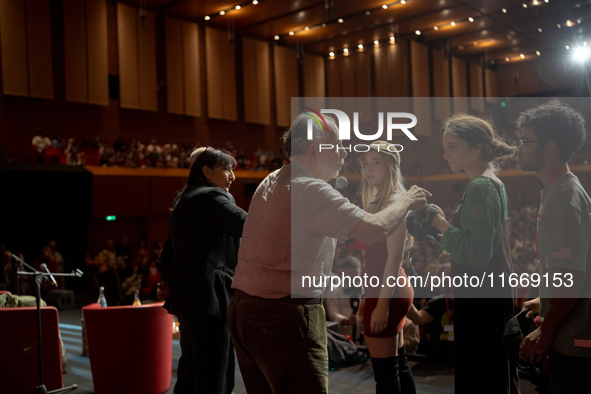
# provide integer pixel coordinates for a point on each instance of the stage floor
(430, 378)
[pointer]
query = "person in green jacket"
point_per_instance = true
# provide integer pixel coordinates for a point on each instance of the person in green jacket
(478, 240)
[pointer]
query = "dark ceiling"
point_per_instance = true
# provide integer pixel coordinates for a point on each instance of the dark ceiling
(483, 30)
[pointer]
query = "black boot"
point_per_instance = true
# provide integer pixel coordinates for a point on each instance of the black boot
(386, 375)
(407, 380)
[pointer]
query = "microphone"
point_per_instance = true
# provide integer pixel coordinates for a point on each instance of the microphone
(44, 268)
(341, 183)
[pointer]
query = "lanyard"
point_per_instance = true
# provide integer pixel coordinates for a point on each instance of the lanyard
(558, 173)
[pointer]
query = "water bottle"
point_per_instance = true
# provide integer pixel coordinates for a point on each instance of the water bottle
(102, 301)
(136, 299)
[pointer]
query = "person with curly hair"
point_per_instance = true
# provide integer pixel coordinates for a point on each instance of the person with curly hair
(551, 133)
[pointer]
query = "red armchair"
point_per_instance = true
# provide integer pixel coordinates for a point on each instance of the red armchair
(19, 363)
(130, 348)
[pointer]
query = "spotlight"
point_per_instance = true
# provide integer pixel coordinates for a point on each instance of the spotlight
(471, 19)
(539, 29)
(580, 54)
(306, 28)
(435, 28)
(346, 50)
(331, 54)
(538, 53)
(384, 6)
(340, 20)
(522, 56)
(506, 59)
(291, 33)
(558, 25)
(207, 17)
(402, 2)
(276, 38)
(255, 2)
(453, 23)
(376, 43)
(360, 46)
(567, 47)
(222, 12)
(504, 11)
(524, 5)
(238, 7)
(418, 32)
(392, 40)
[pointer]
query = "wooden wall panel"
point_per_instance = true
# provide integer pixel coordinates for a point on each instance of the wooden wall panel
(257, 81)
(392, 69)
(39, 49)
(221, 75)
(314, 81)
(148, 85)
(286, 83)
(75, 51)
(14, 47)
(459, 84)
(490, 80)
(98, 52)
(192, 69)
(174, 66)
(476, 88)
(128, 56)
(421, 86)
(441, 86)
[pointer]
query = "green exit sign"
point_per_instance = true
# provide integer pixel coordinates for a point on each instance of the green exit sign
(110, 218)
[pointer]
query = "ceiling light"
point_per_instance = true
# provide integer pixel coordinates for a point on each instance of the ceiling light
(346, 50)
(222, 12)
(402, 2)
(384, 6)
(506, 59)
(435, 28)
(376, 43)
(291, 33)
(360, 46)
(453, 23)
(367, 13)
(504, 11)
(539, 29)
(581, 54)
(567, 47)
(475, 43)
(524, 5)
(340, 20)
(255, 2)
(207, 17)
(558, 25)
(331, 54)
(471, 19)
(238, 7)
(418, 32)
(323, 25)
(276, 38)
(579, 21)
(569, 23)
(306, 28)
(538, 53)
(392, 40)
(522, 56)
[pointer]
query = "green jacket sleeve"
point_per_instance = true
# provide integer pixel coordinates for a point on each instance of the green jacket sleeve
(477, 241)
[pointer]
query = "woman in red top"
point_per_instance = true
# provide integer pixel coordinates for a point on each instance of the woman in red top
(384, 309)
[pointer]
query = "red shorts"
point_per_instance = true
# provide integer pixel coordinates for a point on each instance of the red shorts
(399, 306)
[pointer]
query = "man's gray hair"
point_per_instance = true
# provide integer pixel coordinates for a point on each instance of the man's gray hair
(295, 140)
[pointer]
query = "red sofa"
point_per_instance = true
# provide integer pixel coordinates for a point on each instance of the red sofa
(19, 357)
(130, 348)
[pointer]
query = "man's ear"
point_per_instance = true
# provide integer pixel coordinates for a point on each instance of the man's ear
(551, 148)
(312, 150)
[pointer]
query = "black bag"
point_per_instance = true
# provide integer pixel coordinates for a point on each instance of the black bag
(419, 226)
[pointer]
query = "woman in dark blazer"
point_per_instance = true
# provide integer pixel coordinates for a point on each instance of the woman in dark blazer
(197, 264)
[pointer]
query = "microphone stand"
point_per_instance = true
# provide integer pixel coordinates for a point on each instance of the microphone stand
(39, 276)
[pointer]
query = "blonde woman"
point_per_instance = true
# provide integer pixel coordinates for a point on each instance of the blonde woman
(384, 309)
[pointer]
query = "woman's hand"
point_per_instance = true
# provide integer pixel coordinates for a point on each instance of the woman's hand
(379, 319)
(360, 310)
(439, 221)
(162, 290)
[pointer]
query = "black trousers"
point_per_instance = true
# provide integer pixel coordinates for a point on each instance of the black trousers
(207, 362)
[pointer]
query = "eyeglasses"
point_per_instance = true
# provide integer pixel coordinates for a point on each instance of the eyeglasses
(523, 141)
